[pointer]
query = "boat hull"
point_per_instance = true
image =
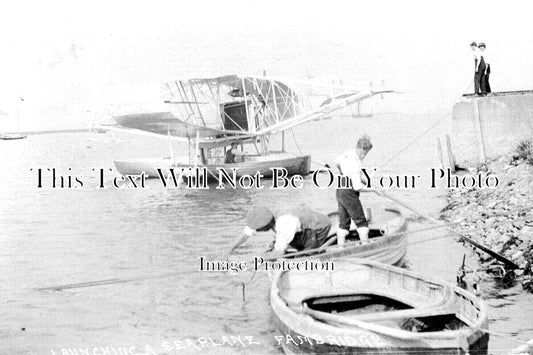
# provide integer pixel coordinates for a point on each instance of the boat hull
(11, 136)
(389, 248)
(301, 331)
(295, 343)
(147, 166)
(294, 164)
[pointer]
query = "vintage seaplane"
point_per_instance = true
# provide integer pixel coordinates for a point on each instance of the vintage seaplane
(209, 114)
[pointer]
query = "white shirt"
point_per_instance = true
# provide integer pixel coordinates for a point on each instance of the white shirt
(485, 57)
(350, 165)
(286, 227)
(477, 56)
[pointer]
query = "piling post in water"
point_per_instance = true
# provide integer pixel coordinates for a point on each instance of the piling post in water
(451, 158)
(439, 153)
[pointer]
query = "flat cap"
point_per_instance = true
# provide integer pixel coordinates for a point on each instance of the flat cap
(473, 44)
(259, 218)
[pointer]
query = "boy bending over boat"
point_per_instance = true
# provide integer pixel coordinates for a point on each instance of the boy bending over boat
(349, 164)
(300, 228)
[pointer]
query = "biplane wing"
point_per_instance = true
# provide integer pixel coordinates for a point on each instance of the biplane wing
(329, 106)
(165, 123)
(236, 107)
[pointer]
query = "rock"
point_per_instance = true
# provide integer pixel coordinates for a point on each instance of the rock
(508, 253)
(501, 218)
(504, 239)
(484, 257)
(492, 238)
(525, 234)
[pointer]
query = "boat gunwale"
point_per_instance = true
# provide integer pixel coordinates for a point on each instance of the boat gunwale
(479, 326)
(396, 234)
(390, 235)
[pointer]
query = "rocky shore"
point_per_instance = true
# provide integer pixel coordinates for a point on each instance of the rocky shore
(500, 218)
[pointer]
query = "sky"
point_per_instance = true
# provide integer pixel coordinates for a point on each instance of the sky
(74, 63)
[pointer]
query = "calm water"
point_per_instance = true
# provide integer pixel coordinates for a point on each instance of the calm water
(60, 236)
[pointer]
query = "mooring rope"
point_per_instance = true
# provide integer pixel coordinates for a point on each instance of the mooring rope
(423, 133)
(416, 139)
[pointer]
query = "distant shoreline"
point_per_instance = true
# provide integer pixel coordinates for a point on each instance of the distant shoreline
(54, 131)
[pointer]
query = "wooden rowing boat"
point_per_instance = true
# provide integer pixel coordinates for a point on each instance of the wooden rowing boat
(387, 241)
(294, 164)
(366, 307)
(11, 136)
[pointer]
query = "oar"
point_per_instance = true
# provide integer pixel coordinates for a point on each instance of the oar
(348, 246)
(108, 282)
(376, 328)
(482, 247)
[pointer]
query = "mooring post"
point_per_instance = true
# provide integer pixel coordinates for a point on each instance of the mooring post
(439, 153)
(451, 158)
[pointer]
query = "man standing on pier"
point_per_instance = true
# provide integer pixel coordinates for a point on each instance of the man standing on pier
(298, 227)
(479, 69)
(350, 208)
(485, 87)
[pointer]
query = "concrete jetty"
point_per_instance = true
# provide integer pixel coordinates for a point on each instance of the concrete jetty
(486, 127)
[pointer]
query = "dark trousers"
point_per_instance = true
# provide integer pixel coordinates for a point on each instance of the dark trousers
(310, 238)
(487, 85)
(479, 78)
(350, 208)
(479, 81)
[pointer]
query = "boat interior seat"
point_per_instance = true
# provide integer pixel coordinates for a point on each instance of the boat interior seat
(404, 313)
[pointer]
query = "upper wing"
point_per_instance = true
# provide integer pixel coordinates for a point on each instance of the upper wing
(242, 107)
(325, 109)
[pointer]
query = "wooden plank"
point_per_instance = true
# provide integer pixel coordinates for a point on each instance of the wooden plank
(376, 328)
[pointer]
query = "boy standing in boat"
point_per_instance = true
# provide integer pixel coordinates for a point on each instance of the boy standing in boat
(349, 164)
(299, 227)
